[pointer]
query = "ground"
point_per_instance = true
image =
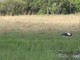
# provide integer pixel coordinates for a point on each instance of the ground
(38, 37)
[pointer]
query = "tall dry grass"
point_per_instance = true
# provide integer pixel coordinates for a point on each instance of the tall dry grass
(40, 23)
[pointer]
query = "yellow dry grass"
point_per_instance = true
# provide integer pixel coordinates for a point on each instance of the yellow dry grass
(39, 23)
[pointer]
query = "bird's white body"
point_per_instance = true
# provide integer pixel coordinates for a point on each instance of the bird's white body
(68, 33)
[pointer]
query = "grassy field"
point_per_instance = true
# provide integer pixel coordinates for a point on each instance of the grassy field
(38, 37)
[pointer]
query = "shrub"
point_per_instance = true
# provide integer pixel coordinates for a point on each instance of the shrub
(17, 7)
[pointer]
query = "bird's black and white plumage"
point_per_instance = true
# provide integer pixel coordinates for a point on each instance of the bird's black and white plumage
(67, 34)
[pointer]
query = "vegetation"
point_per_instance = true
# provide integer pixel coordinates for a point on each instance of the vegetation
(38, 37)
(36, 46)
(17, 7)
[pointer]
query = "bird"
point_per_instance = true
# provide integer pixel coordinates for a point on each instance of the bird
(67, 34)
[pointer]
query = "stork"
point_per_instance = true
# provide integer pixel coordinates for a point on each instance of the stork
(67, 34)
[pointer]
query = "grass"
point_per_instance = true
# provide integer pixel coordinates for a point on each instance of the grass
(37, 38)
(36, 23)
(36, 46)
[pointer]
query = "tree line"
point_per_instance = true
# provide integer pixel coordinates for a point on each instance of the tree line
(20, 7)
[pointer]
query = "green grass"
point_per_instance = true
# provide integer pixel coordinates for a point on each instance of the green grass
(36, 45)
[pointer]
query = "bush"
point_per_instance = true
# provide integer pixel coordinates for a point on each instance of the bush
(13, 7)
(17, 7)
